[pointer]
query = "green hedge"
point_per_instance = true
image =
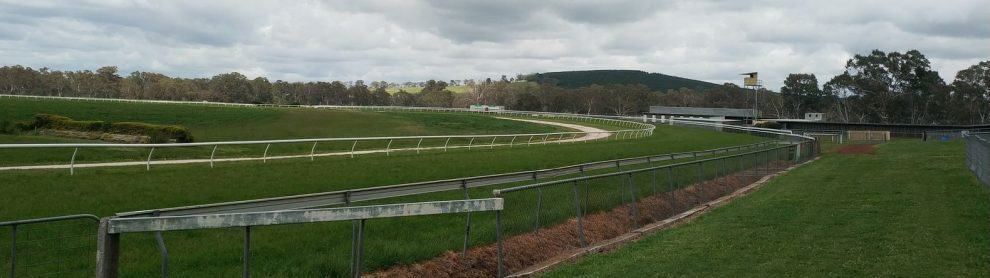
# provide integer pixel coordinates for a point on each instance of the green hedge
(157, 133)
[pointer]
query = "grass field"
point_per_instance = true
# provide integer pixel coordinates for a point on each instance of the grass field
(913, 209)
(239, 123)
(301, 250)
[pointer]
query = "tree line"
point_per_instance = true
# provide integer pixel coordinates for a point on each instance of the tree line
(876, 87)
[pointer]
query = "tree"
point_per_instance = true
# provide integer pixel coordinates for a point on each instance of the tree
(230, 87)
(971, 93)
(527, 102)
(801, 93)
(891, 83)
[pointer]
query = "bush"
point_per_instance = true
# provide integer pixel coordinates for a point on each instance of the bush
(7, 127)
(773, 125)
(157, 133)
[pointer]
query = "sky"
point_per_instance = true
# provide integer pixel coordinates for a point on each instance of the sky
(416, 40)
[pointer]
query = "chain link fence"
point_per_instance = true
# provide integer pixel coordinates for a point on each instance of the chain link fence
(547, 219)
(978, 155)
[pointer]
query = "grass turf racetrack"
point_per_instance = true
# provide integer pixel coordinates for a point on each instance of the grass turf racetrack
(912, 209)
(241, 123)
(294, 250)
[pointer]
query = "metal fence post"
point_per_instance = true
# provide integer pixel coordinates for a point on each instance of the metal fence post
(357, 248)
(577, 212)
(388, 147)
(148, 165)
(312, 152)
(107, 251)
(72, 162)
(445, 144)
(264, 157)
(512, 143)
(493, 142)
(352, 148)
(247, 252)
(633, 210)
(470, 143)
(498, 240)
(539, 205)
(701, 180)
(13, 250)
(467, 225)
(214, 152)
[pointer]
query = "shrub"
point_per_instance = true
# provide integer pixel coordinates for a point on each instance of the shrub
(157, 133)
(773, 125)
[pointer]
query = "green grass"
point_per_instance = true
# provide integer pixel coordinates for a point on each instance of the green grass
(913, 209)
(312, 249)
(240, 123)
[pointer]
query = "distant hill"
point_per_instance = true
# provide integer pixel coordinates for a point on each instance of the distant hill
(655, 81)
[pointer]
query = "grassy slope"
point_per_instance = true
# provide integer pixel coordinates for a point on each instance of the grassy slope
(911, 210)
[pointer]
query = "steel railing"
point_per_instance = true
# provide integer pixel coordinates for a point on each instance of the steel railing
(18, 223)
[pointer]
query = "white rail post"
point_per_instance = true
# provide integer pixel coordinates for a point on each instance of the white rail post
(312, 152)
(493, 142)
(388, 147)
(559, 137)
(264, 157)
(511, 143)
(148, 165)
(445, 144)
(72, 162)
(545, 139)
(352, 148)
(418, 144)
(211, 155)
(470, 143)
(530, 142)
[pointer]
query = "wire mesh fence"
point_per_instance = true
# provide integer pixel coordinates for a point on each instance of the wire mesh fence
(49, 247)
(546, 219)
(978, 155)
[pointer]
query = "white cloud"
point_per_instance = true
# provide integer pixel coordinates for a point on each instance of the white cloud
(712, 40)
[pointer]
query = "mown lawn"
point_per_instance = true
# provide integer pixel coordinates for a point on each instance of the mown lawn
(312, 249)
(913, 209)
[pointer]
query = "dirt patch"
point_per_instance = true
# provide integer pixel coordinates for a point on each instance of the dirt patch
(857, 149)
(527, 249)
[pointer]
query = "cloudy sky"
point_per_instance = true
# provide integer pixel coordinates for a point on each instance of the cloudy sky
(412, 40)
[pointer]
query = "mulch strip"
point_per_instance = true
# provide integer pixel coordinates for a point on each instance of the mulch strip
(531, 248)
(858, 149)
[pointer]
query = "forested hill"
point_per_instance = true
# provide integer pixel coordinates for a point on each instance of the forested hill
(655, 81)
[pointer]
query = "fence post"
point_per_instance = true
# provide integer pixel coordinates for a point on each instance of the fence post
(511, 143)
(352, 148)
(214, 152)
(470, 143)
(357, 248)
(539, 205)
(72, 162)
(493, 142)
(247, 252)
(107, 251)
(701, 180)
(13, 250)
(419, 144)
(312, 152)
(445, 144)
(388, 147)
(264, 157)
(498, 240)
(670, 193)
(148, 165)
(577, 212)
(633, 210)
(467, 225)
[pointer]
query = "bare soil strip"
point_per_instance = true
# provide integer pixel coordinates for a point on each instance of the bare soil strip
(524, 253)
